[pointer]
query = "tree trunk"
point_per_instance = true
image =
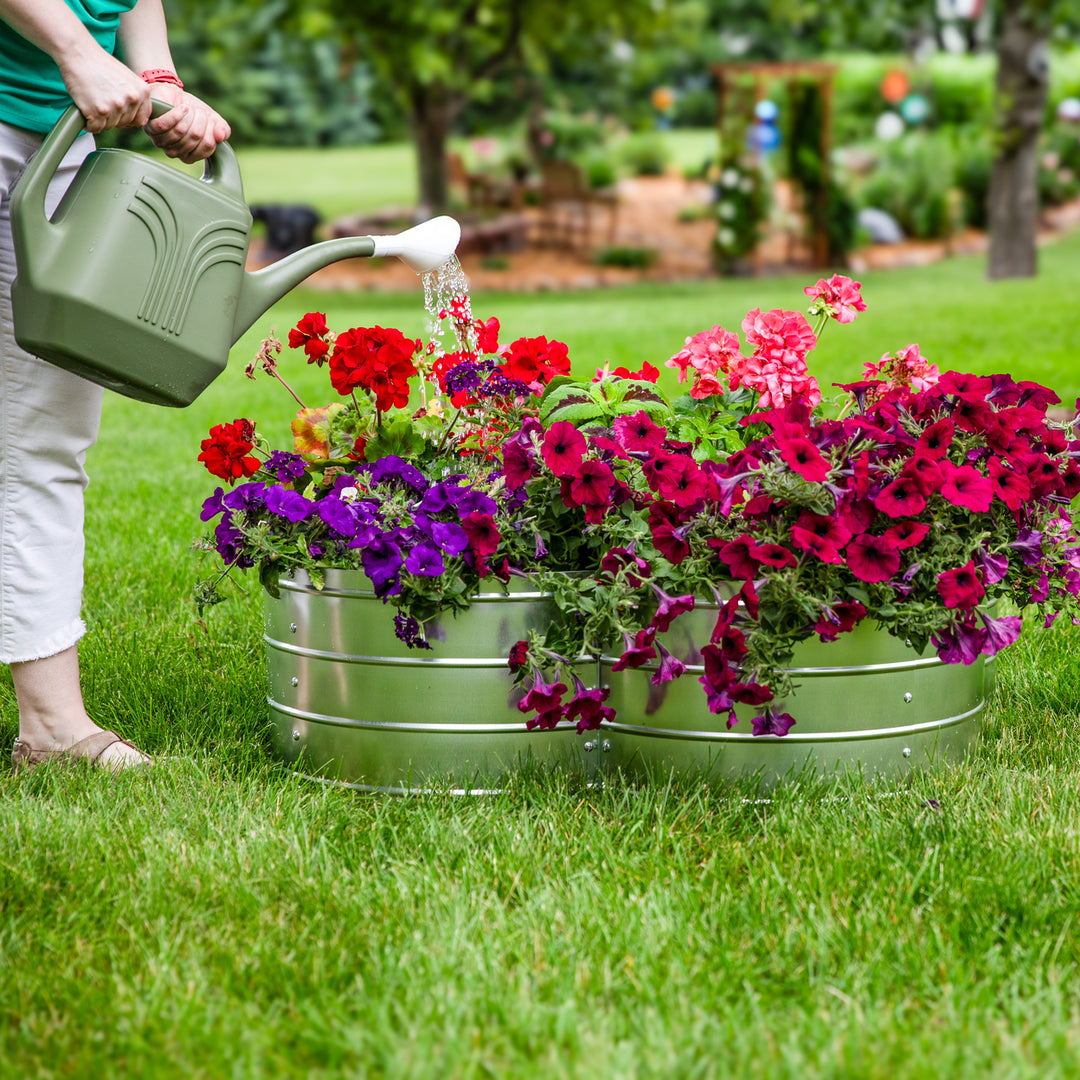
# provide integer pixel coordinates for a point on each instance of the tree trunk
(433, 111)
(1021, 88)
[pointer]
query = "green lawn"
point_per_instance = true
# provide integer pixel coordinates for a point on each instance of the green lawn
(219, 918)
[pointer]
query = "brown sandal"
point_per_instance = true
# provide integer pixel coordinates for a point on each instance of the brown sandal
(24, 757)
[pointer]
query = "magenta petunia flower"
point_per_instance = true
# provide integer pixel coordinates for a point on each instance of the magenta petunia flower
(563, 448)
(543, 696)
(815, 544)
(637, 650)
(935, 441)
(587, 707)
(738, 555)
(839, 619)
(1009, 486)
(967, 387)
(683, 481)
(961, 587)
(906, 534)
(638, 434)
(668, 608)
(670, 667)
(872, 558)
(773, 723)
(805, 458)
(902, 498)
(591, 484)
(965, 486)
(960, 645)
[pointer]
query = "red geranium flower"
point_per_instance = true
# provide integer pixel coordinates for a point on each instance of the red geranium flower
(536, 361)
(377, 360)
(226, 453)
(310, 332)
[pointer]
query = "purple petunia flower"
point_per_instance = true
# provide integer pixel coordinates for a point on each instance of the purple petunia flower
(337, 516)
(288, 504)
(393, 467)
(213, 506)
(382, 563)
(449, 537)
(469, 501)
(999, 632)
(409, 630)
(1028, 543)
(425, 560)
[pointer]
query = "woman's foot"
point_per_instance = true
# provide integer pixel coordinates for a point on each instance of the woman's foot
(53, 723)
(100, 750)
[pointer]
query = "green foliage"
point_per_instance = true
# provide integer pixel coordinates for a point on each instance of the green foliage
(635, 258)
(742, 204)
(273, 87)
(645, 154)
(912, 182)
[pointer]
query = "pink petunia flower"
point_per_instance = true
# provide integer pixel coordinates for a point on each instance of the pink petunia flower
(637, 433)
(902, 498)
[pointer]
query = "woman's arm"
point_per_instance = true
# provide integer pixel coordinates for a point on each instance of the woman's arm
(191, 130)
(107, 93)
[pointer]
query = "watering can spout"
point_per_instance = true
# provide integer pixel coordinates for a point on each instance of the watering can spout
(423, 248)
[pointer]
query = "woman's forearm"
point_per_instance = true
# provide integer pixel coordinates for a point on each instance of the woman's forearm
(52, 26)
(144, 41)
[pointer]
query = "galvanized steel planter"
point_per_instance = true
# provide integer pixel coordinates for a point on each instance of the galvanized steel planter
(866, 700)
(351, 703)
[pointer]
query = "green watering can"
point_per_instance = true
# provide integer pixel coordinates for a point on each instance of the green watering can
(138, 281)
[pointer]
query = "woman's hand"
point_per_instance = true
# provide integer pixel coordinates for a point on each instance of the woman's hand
(190, 130)
(107, 93)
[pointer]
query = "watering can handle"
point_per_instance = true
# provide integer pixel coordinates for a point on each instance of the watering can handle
(220, 169)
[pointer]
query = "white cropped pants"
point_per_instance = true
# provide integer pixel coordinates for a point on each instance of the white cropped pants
(49, 418)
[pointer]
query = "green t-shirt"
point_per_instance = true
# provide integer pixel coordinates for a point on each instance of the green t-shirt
(32, 94)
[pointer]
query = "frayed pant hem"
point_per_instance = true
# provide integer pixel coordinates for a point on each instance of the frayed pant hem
(56, 643)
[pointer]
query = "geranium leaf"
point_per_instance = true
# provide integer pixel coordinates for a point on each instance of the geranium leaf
(399, 438)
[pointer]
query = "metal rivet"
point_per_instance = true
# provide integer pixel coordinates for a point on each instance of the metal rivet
(907, 751)
(295, 681)
(907, 697)
(292, 628)
(606, 746)
(590, 746)
(295, 735)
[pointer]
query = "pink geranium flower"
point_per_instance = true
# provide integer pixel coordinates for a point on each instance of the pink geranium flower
(838, 297)
(706, 353)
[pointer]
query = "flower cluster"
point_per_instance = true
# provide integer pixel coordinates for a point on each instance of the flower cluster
(936, 505)
(938, 509)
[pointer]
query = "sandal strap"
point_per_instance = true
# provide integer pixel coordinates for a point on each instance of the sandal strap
(90, 749)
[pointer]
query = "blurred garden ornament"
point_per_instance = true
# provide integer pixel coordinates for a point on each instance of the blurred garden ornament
(137, 282)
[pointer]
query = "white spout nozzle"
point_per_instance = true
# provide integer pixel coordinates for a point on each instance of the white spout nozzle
(424, 247)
